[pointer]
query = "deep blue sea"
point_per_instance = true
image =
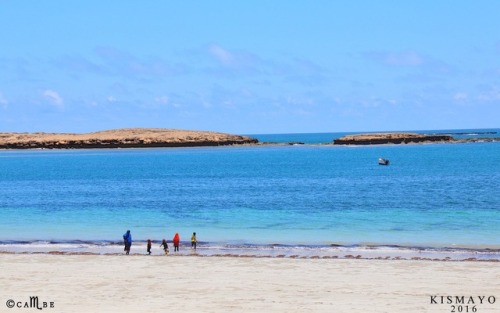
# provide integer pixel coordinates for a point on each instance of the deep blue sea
(311, 196)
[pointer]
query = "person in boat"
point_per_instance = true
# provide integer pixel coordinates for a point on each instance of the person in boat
(176, 241)
(127, 240)
(193, 241)
(164, 244)
(383, 161)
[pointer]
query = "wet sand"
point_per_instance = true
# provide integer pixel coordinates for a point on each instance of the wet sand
(205, 249)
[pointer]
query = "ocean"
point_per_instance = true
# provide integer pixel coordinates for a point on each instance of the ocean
(310, 199)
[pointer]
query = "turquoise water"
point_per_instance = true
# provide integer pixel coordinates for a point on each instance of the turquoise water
(431, 195)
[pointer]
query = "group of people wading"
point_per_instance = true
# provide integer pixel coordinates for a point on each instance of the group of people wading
(127, 241)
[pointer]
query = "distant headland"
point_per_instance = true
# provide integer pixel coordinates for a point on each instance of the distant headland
(121, 138)
(401, 138)
(386, 138)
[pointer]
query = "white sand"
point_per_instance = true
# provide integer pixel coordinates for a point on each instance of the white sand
(103, 283)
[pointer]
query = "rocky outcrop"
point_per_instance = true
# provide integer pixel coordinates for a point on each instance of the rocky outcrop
(472, 140)
(390, 138)
(121, 138)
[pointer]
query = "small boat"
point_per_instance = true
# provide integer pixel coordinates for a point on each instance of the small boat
(382, 161)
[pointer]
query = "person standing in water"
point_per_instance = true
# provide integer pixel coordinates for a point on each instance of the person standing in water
(127, 240)
(176, 241)
(193, 241)
(149, 246)
(164, 244)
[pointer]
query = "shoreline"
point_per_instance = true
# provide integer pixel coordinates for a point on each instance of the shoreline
(293, 257)
(263, 251)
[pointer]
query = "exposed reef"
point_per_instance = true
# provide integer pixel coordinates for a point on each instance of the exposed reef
(390, 138)
(121, 138)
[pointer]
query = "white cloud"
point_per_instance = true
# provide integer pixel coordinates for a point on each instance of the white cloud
(405, 58)
(460, 96)
(162, 100)
(235, 59)
(299, 101)
(428, 65)
(489, 96)
(165, 101)
(221, 54)
(3, 101)
(492, 95)
(205, 103)
(111, 99)
(53, 97)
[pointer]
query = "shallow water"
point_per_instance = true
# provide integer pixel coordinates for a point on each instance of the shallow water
(315, 196)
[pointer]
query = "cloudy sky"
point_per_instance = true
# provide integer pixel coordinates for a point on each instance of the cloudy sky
(249, 67)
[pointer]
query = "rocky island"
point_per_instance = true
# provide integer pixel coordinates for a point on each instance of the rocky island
(121, 138)
(390, 138)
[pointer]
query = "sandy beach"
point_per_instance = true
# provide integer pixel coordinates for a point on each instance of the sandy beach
(138, 283)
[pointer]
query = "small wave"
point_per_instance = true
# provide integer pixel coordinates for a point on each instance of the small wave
(57, 242)
(244, 245)
(333, 250)
(468, 133)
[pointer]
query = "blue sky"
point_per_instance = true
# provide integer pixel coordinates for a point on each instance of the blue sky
(249, 67)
